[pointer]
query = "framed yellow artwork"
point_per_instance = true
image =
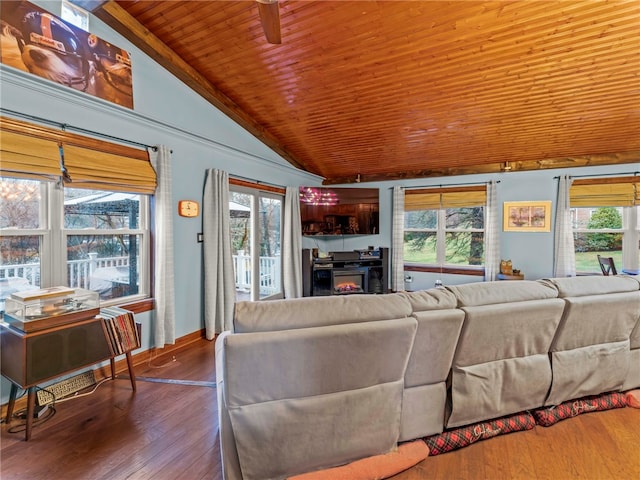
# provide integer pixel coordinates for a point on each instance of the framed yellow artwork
(534, 216)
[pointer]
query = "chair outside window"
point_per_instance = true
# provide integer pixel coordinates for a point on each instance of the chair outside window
(607, 265)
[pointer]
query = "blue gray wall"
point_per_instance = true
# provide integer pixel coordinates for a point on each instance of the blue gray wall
(167, 112)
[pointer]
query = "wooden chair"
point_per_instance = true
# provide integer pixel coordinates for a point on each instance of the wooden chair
(607, 265)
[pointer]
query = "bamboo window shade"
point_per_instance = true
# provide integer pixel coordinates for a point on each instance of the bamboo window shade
(445, 197)
(32, 151)
(609, 192)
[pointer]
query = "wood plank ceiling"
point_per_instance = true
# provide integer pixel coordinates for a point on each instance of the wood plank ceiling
(385, 90)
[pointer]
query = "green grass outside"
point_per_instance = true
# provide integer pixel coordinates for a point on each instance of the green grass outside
(585, 261)
(588, 261)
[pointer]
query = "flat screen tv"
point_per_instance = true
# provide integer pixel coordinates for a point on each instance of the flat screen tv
(339, 211)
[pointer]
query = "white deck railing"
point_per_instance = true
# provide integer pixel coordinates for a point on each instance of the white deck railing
(269, 274)
(79, 272)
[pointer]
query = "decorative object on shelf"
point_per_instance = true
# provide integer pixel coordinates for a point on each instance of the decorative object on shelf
(188, 208)
(534, 216)
(506, 267)
(507, 272)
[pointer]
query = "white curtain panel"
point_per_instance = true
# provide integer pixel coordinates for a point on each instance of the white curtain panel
(397, 240)
(565, 255)
(292, 245)
(492, 234)
(164, 293)
(219, 278)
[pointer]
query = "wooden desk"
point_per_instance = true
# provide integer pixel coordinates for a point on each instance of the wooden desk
(28, 359)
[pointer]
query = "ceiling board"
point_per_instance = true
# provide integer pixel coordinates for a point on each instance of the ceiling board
(384, 90)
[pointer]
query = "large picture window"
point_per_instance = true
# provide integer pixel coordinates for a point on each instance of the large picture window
(445, 227)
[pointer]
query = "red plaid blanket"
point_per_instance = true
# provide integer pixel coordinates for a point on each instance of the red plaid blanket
(463, 436)
(548, 416)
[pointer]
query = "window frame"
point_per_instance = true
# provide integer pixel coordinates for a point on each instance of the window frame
(630, 231)
(441, 230)
(53, 244)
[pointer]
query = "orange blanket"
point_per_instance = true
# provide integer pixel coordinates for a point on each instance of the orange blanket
(374, 468)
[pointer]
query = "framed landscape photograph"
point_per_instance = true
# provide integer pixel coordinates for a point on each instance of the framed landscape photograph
(534, 216)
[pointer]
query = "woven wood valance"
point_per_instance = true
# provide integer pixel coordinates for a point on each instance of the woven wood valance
(37, 152)
(445, 197)
(605, 192)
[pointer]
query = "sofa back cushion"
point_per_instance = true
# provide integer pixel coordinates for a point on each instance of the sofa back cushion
(432, 299)
(318, 311)
(312, 398)
(489, 293)
(592, 285)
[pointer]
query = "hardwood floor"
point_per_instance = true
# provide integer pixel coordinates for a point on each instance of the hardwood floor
(169, 431)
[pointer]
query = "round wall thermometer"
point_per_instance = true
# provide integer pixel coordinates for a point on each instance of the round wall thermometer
(188, 208)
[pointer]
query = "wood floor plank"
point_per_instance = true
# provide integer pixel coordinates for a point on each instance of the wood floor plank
(170, 431)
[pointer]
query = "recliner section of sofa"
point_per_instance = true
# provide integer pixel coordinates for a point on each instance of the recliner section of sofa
(336, 396)
(591, 350)
(501, 364)
(425, 393)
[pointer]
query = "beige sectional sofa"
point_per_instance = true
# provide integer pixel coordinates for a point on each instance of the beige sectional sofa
(311, 383)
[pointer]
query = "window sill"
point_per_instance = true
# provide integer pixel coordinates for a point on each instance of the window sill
(474, 271)
(139, 306)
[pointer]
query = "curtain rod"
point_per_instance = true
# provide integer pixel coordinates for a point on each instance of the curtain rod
(65, 126)
(447, 185)
(602, 175)
(253, 180)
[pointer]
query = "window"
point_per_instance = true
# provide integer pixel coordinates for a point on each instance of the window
(605, 222)
(92, 231)
(93, 239)
(445, 227)
(256, 229)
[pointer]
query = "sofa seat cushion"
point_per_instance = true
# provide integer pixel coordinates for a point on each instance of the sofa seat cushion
(318, 311)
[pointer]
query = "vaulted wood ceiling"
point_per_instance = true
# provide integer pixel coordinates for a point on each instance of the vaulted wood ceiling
(384, 90)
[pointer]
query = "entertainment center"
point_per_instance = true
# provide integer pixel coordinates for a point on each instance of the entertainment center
(344, 273)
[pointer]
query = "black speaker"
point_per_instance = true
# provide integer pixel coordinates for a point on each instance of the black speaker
(51, 353)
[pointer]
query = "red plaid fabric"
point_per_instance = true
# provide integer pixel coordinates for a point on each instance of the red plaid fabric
(549, 416)
(463, 436)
